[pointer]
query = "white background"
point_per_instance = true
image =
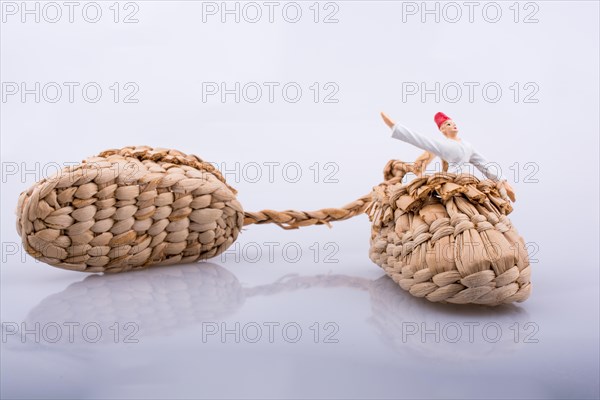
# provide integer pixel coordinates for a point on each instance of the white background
(547, 147)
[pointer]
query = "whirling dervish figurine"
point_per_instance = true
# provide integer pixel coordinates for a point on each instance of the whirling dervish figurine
(451, 149)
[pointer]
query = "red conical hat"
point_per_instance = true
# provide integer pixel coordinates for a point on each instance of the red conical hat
(440, 118)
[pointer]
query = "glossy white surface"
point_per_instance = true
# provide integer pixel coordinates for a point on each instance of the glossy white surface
(361, 335)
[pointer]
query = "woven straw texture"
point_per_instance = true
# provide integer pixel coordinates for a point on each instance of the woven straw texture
(128, 209)
(446, 237)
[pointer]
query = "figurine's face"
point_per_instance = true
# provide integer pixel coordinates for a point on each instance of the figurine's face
(449, 129)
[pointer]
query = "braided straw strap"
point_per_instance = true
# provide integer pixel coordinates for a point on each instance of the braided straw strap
(291, 219)
(129, 209)
(446, 237)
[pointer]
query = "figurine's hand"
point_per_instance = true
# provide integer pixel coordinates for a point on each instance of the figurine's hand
(387, 120)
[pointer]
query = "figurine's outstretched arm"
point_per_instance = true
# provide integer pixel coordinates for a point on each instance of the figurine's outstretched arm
(478, 160)
(445, 149)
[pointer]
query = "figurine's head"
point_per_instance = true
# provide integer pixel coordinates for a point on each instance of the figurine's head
(446, 125)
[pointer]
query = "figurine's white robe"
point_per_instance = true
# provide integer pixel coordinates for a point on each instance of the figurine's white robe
(456, 153)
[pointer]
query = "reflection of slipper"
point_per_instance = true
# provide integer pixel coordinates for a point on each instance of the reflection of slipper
(164, 299)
